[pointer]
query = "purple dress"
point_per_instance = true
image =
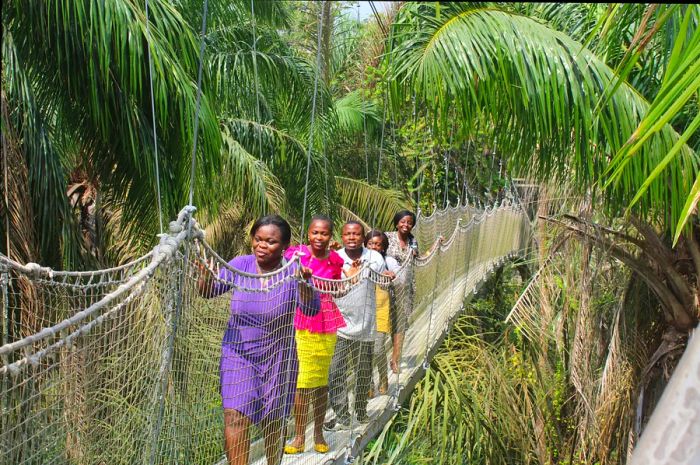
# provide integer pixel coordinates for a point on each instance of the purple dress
(258, 368)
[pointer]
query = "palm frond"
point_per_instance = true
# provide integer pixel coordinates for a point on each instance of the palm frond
(227, 232)
(42, 160)
(356, 115)
(225, 12)
(17, 215)
(540, 89)
(680, 85)
(247, 178)
(92, 59)
(286, 156)
(244, 78)
(375, 205)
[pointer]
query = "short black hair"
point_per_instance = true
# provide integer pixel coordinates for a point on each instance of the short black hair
(326, 219)
(401, 213)
(378, 233)
(355, 222)
(275, 220)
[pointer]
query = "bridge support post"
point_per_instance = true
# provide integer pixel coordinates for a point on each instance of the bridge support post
(173, 311)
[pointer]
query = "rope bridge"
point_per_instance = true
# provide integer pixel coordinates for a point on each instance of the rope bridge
(121, 366)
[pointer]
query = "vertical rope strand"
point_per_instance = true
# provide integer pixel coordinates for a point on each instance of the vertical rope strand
(379, 159)
(447, 164)
(153, 120)
(255, 76)
(362, 105)
(392, 116)
(311, 126)
(198, 105)
(255, 61)
(447, 177)
(386, 102)
(415, 158)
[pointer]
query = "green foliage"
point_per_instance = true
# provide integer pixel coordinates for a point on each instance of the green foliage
(493, 396)
(77, 80)
(376, 205)
(541, 101)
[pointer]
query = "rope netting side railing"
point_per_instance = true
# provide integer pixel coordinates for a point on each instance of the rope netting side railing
(129, 365)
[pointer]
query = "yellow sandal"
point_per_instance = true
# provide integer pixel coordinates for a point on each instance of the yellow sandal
(291, 450)
(321, 448)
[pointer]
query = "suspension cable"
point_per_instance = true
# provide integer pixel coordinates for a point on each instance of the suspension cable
(379, 159)
(392, 116)
(381, 140)
(362, 105)
(447, 177)
(421, 177)
(198, 105)
(447, 163)
(325, 169)
(464, 195)
(255, 62)
(493, 159)
(153, 119)
(255, 74)
(313, 116)
(415, 158)
(6, 196)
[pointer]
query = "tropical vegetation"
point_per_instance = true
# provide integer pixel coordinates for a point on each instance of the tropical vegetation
(303, 107)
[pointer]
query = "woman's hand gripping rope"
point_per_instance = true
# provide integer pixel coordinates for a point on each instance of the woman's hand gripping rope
(306, 291)
(205, 282)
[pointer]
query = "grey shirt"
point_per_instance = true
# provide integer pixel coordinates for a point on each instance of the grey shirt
(359, 307)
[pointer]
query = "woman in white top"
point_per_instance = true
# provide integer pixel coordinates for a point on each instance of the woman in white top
(402, 247)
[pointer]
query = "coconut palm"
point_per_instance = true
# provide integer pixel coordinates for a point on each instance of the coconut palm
(557, 111)
(76, 76)
(577, 114)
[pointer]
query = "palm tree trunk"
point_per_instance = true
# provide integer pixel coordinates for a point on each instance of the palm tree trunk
(18, 235)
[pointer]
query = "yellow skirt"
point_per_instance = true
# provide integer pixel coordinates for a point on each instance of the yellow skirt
(383, 310)
(315, 351)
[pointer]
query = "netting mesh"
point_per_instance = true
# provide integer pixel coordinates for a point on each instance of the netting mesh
(129, 365)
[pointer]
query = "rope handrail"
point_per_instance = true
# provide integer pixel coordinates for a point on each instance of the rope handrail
(136, 341)
(34, 269)
(160, 254)
(35, 357)
(144, 274)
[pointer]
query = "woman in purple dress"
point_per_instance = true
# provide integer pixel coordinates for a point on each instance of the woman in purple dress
(258, 368)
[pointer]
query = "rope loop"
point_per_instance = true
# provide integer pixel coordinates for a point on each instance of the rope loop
(34, 270)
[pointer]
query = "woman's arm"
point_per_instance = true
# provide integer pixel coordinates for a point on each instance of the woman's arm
(205, 282)
(209, 287)
(440, 239)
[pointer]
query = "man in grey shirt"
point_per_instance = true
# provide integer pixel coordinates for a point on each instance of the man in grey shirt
(353, 351)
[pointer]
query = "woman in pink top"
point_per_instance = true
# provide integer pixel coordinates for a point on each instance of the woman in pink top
(315, 336)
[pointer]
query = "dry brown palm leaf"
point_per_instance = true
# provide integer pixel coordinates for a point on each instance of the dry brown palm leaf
(19, 238)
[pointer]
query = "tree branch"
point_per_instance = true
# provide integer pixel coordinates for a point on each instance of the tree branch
(694, 250)
(599, 227)
(661, 252)
(679, 316)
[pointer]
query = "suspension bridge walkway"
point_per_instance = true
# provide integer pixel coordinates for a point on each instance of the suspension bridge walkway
(121, 365)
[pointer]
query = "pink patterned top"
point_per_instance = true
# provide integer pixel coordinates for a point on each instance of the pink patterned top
(329, 319)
